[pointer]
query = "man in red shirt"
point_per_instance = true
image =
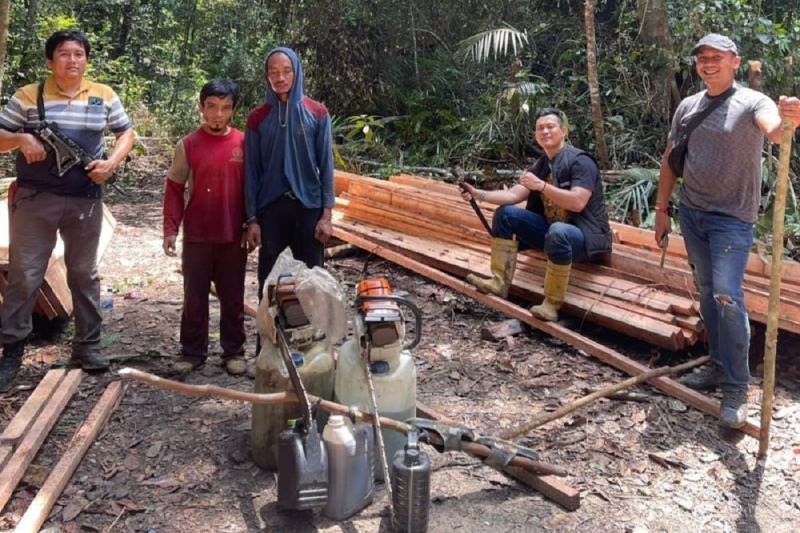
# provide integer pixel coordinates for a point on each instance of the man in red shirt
(209, 162)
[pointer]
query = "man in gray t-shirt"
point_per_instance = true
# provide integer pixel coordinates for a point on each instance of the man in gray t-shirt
(719, 202)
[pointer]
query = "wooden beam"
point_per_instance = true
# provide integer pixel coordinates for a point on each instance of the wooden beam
(54, 485)
(551, 487)
(27, 414)
(14, 470)
(603, 353)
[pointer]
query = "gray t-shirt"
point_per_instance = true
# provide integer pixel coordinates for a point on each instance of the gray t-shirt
(722, 173)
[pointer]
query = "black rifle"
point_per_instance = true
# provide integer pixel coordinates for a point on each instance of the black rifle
(66, 152)
(472, 202)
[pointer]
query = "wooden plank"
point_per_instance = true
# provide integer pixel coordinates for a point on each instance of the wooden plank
(603, 353)
(14, 470)
(5, 453)
(54, 485)
(551, 487)
(756, 264)
(26, 415)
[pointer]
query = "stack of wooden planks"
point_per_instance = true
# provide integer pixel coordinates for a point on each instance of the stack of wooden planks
(54, 299)
(428, 221)
(21, 440)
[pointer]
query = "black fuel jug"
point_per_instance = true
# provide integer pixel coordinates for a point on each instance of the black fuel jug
(411, 487)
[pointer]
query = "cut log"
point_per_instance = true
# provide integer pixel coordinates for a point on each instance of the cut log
(24, 453)
(27, 414)
(48, 494)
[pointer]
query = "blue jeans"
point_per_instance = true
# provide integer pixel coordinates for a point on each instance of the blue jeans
(563, 243)
(718, 247)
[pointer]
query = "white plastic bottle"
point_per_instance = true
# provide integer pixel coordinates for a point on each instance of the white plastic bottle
(349, 451)
(394, 377)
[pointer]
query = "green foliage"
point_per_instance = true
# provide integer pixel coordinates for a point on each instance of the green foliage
(492, 43)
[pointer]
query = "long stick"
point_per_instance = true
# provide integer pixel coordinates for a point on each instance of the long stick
(611, 389)
(771, 342)
(471, 448)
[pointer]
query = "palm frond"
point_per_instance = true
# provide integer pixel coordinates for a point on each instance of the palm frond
(494, 43)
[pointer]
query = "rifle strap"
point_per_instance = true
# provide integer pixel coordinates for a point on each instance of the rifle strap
(40, 101)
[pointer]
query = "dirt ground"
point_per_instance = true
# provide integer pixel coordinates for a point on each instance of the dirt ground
(171, 463)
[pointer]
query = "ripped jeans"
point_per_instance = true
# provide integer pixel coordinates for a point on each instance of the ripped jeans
(718, 247)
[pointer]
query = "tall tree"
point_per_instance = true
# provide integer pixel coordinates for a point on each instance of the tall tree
(5, 6)
(594, 85)
(654, 33)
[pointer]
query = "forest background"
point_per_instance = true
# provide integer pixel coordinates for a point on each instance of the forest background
(426, 85)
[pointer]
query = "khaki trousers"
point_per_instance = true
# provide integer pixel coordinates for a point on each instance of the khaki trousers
(36, 219)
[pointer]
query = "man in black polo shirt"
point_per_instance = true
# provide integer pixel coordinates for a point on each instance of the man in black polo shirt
(46, 204)
(565, 216)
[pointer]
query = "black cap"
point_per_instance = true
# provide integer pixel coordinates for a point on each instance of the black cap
(717, 42)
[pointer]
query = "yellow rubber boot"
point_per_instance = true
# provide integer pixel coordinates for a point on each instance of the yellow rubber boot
(504, 262)
(556, 278)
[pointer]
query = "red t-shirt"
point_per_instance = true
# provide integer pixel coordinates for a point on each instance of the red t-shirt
(215, 210)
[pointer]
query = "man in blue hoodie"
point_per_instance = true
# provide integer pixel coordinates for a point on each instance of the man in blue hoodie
(289, 191)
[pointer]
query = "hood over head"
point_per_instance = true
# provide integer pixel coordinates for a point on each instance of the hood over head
(297, 92)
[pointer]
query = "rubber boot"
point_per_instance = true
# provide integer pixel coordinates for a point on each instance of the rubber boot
(504, 262)
(556, 278)
(10, 363)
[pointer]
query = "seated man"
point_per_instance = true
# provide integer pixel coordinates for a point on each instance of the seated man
(565, 216)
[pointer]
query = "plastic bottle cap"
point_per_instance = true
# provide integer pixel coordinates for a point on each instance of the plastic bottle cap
(412, 456)
(297, 359)
(379, 367)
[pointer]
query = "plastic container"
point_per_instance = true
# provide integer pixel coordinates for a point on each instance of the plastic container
(315, 366)
(107, 301)
(350, 473)
(302, 470)
(394, 377)
(411, 488)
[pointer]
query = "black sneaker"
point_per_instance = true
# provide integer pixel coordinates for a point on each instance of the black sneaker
(707, 378)
(733, 407)
(10, 363)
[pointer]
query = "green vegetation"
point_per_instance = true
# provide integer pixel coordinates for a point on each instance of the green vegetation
(423, 83)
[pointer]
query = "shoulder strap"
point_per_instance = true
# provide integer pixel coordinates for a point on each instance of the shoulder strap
(716, 101)
(40, 101)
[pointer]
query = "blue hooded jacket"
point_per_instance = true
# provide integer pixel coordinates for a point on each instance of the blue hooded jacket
(288, 146)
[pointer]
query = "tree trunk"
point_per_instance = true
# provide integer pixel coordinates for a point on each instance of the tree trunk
(654, 32)
(5, 5)
(594, 85)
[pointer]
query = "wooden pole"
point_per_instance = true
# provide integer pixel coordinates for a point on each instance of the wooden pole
(40, 507)
(611, 389)
(471, 448)
(771, 342)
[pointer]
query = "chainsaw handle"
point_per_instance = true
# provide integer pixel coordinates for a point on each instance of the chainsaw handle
(402, 301)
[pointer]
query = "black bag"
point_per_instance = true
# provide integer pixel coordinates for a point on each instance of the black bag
(680, 145)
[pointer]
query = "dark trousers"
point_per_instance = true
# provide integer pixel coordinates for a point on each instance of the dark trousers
(36, 219)
(225, 265)
(285, 222)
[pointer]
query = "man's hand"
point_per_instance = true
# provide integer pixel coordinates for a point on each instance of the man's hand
(323, 230)
(100, 170)
(32, 148)
(530, 181)
(253, 236)
(470, 193)
(789, 109)
(170, 248)
(663, 226)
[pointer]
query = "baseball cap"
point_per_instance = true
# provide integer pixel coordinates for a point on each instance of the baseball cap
(717, 42)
